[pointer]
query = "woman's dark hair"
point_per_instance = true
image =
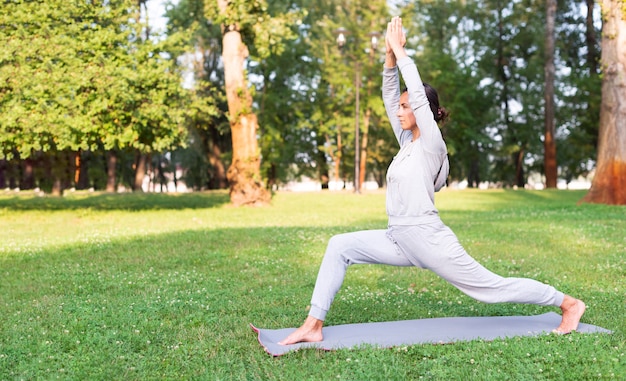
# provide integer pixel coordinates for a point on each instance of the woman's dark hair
(439, 113)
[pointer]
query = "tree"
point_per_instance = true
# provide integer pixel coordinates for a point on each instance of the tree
(56, 63)
(245, 20)
(244, 173)
(77, 76)
(145, 97)
(609, 183)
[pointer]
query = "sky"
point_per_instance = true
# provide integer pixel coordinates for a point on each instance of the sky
(156, 9)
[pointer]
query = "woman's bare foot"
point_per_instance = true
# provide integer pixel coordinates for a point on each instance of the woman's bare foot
(573, 309)
(309, 331)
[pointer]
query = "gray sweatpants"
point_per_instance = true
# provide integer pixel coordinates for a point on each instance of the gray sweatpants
(431, 246)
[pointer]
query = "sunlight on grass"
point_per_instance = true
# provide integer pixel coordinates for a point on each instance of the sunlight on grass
(164, 287)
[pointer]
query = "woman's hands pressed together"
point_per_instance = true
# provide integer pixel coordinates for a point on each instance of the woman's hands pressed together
(395, 38)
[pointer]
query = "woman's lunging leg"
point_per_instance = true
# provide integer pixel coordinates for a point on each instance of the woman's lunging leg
(363, 247)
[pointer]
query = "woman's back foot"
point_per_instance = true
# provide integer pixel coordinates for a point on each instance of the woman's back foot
(573, 310)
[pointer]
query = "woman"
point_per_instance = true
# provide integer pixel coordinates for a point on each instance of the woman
(415, 235)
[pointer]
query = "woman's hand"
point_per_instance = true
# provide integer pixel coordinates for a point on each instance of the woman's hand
(395, 38)
(388, 48)
(394, 42)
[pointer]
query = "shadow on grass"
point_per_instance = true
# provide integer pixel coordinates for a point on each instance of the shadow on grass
(117, 201)
(211, 199)
(245, 272)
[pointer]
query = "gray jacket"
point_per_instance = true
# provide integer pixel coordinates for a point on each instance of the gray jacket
(421, 167)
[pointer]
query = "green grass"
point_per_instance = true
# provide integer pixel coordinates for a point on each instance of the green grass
(149, 287)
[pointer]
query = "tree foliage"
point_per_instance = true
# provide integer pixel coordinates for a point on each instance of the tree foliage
(81, 75)
(208, 155)
(84, 83)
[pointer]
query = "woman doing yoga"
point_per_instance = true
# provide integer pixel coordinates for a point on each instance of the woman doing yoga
(416, 236)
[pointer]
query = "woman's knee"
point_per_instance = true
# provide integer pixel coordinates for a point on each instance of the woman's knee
(339, 242)
(341, 247)
(336, 245)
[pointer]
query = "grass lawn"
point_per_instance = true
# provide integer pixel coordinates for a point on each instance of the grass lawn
(151, 287)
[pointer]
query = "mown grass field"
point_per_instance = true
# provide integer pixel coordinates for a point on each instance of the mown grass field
(152, 287)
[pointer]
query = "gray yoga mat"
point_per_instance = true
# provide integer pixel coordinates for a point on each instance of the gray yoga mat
(421, 331)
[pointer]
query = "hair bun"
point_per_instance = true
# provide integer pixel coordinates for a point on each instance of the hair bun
(442, 114)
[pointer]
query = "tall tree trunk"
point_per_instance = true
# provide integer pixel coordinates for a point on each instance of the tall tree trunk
(364, 139)
(140, 171)
(609, 183)
(82, 169)
(366, 122)
(111, 168)
(244, 173)
(357, 130)
(77, 168)
(549, 160)
(590, 37)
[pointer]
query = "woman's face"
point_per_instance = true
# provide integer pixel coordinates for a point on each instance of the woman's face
(405, 113)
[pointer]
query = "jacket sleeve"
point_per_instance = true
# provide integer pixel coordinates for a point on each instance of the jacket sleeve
(429, 131)
(391, 99)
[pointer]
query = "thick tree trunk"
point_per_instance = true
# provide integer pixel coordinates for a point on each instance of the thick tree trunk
(244, 173)
(111, 171)
(549, 162)
(609, 183)
(590, 37)
(245, 170)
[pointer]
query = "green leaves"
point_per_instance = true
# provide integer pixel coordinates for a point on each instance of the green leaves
(77, 75)
(80, 75)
